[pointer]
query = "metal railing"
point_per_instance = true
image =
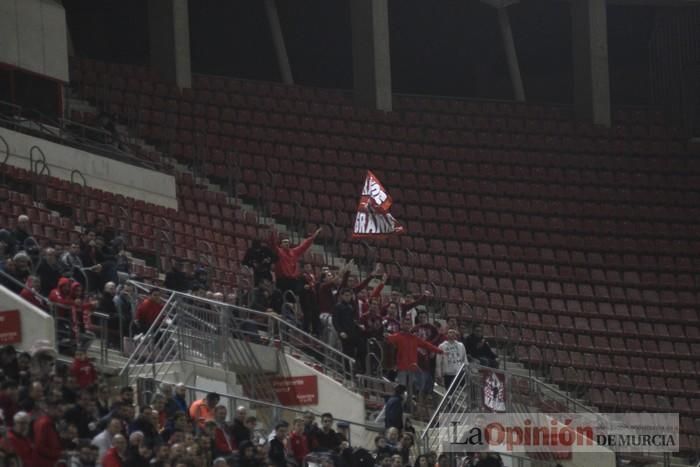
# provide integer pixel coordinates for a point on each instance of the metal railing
(232, 401)
(195, 329)
(523, 394)
(73, 133)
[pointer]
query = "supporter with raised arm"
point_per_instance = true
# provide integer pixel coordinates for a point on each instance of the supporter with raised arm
(426, 361)
(407, 345)
(287, 267)
(405, 307)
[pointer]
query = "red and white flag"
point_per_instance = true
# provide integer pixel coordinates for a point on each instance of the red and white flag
(373, 218)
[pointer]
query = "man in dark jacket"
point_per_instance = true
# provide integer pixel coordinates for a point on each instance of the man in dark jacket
(277, 454)
(325, 439)
(80, 415)
(345, 323)
(393, 409)
(478, 349)
(107, 306)
(176, 279)
(239, 429)
(260, 258)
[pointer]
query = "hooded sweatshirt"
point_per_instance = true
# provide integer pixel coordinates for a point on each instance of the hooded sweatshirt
(62, 296)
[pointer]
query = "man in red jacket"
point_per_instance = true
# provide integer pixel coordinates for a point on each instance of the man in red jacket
(407, 346)
(46, 439)
(115, 456)
(83, 370)
(287, 266)
(148, 311)
(18, 438)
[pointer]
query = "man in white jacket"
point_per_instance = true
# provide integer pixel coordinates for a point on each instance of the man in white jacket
(452, 358)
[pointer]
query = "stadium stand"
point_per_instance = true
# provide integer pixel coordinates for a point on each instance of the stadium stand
(555, 226)
(574, 246)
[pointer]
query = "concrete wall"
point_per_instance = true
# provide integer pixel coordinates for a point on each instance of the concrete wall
(36, 324)
(33, 36)
(333, 397)
(100, 172)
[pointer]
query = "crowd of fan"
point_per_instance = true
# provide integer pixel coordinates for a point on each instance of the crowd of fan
(74, 281)
(344, 312)
(90, 276)
(53, 414)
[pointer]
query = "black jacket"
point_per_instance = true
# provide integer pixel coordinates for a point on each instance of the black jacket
(276, 454)
(177, 281)
(344, 319)
(240, 432)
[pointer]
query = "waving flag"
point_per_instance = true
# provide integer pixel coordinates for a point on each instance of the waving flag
(373, 218)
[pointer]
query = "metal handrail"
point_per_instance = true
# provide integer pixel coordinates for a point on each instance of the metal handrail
(288, 335)
(272, 405)
(59, 129)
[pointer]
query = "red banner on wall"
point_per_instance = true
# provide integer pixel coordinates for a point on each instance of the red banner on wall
(10, 327)
(296, 390)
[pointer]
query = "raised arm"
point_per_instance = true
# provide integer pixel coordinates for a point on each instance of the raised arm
(428, 346)
(306, 244)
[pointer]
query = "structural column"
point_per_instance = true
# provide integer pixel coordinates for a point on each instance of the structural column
(590, 53)
(511, 55)
(169, 29)
(278, 41)
(371, 54)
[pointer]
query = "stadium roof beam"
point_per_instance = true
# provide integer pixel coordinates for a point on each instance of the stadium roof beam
(516, 78)
(371, 55)
(590, 59)
(169, 30)
(278, 41)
